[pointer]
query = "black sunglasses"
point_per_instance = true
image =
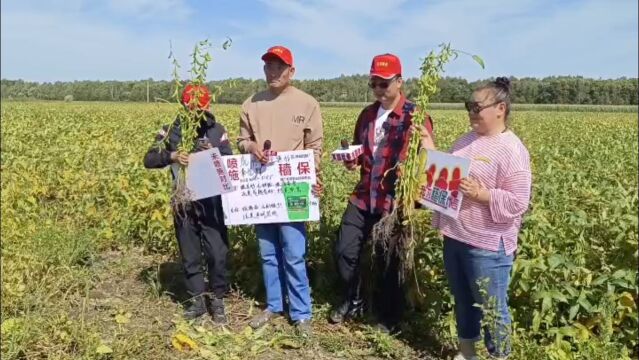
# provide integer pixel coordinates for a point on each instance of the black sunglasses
(381, 84)
(475, 108)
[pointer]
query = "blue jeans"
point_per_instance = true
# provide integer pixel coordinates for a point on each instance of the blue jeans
(467, 267)
(283, 251)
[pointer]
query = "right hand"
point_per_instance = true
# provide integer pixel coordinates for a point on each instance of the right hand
(180, 158)
(204, 146)
(259, 155)
(350, 165)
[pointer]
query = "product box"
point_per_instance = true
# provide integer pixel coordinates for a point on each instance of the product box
(349, 154)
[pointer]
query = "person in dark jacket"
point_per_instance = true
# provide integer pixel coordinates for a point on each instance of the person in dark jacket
(201, 234)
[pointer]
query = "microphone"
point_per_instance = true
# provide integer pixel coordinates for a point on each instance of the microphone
(268, 153)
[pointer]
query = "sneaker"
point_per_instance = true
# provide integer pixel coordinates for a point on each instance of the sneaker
(466, 350)
(304, 328)
(460, 356)
(217, 310)
(262, 319)
(387, 328)
(346, 311)
(196, 308)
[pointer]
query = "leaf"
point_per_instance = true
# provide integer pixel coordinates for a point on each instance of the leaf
(559, 296)
(479, 60)
(555, 260)
(581, 331)
(619, 274)
(247, 332)
(227, 43)
(536, 321)
(103, 349)
(573, 311)
(121, 319)
(546, 303)
(288, 343)
(183, 343)
(8, 325)
(585, 304)
(207, 354)
(626, 300)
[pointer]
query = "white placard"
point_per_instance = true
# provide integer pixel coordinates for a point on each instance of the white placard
(278, 192)
(206, 175)
(443, 175)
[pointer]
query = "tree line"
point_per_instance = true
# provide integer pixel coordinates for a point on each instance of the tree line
(353, 88)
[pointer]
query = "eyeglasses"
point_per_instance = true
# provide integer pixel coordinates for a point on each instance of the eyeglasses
(475, 107)
(381, 84)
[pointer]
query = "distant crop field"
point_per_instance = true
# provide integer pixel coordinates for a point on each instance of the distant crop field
(518, 107)
(74, 187)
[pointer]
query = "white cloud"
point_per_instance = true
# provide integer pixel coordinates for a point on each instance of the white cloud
(328, 37)
(523, 38)
(178, 9)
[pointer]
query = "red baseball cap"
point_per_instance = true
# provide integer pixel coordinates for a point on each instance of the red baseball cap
(279, 52)
(386, 66)
(203, 96)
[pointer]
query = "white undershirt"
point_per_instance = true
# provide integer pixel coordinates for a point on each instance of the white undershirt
(382, 116)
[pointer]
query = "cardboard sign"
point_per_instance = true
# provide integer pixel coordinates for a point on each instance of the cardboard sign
(276, 192)
(206, 175)
(443, 175)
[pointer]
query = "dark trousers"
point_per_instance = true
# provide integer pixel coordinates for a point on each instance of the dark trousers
(203, 237)
(388, 295)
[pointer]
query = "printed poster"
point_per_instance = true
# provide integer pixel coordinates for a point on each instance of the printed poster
(276, 192)
(206, 175)
(443, 175)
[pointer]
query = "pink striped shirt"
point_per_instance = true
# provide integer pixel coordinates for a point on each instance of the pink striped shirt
(505, 172)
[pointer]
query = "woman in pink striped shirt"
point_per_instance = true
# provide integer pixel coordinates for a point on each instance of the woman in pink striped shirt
(479, 245)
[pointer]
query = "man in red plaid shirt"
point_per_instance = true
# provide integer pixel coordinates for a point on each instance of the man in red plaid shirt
(383, 128)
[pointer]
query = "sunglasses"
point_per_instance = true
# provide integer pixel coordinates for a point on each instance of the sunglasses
(475, 107)
(381, 84)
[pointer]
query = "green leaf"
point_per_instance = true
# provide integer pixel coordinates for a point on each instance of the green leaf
(573, 311)
(585, 304)
(536, 321)
(559, 296)
(546, 304)
(571, 291)
(479, 60)
(555, 260)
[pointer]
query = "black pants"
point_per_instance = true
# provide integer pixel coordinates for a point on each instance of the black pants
(202, 235)
(388, 294)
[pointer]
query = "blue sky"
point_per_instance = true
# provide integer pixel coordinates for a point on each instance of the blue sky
(50, 40)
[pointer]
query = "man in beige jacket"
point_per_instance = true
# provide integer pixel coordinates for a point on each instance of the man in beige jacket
(289, 119)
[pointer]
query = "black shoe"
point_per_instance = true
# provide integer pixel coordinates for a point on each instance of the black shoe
(217, 310)
(348, 310)
(196, 308)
